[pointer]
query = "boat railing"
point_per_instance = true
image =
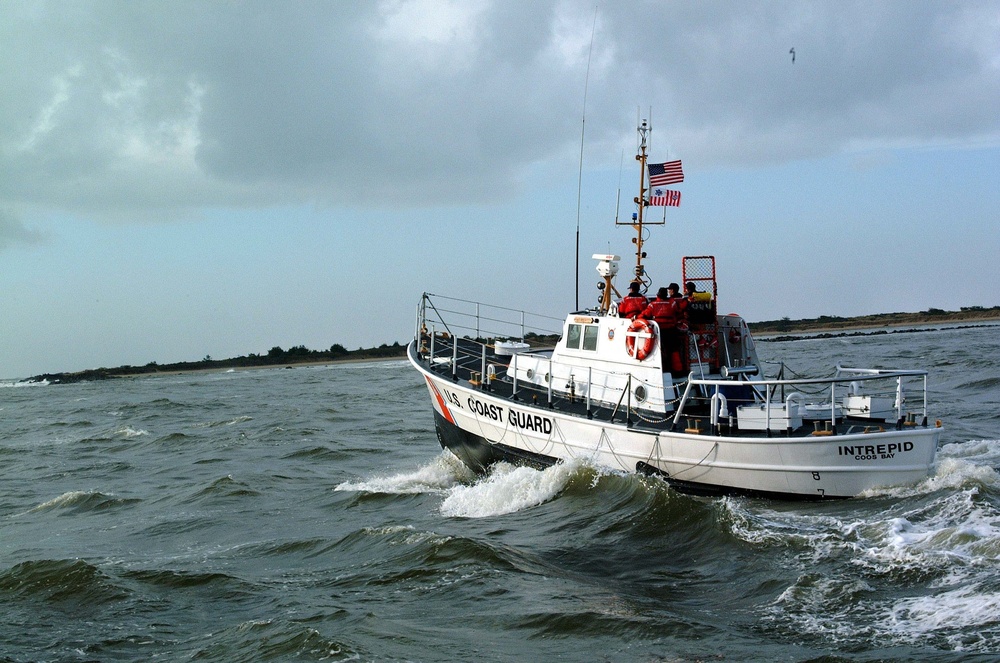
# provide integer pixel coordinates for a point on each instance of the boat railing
(868, 397)
(459, 338)
(592, 388)
(861, 393)
(478, 320)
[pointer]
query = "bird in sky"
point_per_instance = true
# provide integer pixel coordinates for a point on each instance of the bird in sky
(792, 51)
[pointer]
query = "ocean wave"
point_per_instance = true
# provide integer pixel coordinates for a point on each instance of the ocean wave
(984, 384)
(283, 547)
(82, 501)
(932, 537)
(963, 619)
(873, 570)
(272, 640)
(958, 465)
(372, 542)
(950, 537)
(441, 474)
(610, 617)
(225, 422)
(507, 489)
(225, 487)
(74, 583)
(216, 584)
(116, 434)
(982, 451)
(316, 454)
(854, 615)
(17, 384)
(409, 560)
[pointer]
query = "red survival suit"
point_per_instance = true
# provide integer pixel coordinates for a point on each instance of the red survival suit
(669, 315)
(632, 305)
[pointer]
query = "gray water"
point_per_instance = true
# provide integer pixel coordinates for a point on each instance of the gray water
(310, 515)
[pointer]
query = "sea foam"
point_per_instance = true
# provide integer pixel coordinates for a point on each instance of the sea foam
(441, 474)
(508, 489)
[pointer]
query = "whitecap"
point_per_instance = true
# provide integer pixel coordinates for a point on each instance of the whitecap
(958, 465)
(981, 450)
(508, 489)
(949, 614)
(70, 498)
(16, 384)
(437, 476)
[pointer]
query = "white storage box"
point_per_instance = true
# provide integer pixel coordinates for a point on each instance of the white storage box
(755, 417)
(817, 411)
(870, 407)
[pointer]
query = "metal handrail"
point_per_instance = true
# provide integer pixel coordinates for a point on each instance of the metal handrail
(454, 354)
(516, 325)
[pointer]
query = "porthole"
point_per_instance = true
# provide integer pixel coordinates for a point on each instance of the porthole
(640, 394)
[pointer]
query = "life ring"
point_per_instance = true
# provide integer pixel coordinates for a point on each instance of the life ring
(641, 350)
(735, 336)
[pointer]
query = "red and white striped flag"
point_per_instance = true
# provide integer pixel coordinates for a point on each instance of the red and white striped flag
(664, 198)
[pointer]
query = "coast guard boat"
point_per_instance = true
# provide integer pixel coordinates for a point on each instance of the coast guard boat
(507, 385)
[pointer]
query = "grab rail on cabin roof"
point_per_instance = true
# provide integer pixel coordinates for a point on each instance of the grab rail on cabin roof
(480, 320)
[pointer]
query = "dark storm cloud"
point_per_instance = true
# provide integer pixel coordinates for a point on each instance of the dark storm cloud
(127, 108)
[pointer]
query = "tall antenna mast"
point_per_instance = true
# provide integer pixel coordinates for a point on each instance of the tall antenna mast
(579, 182)
(637, 218)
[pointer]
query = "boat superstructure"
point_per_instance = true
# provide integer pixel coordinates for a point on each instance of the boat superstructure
(524, 388)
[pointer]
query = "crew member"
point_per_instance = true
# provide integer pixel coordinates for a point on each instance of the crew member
(633, 303)
(667, 310)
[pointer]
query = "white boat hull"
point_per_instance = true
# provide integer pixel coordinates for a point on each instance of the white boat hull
(482, 428)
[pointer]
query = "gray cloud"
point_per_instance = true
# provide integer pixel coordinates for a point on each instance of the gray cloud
(141, 109)
(13, 231)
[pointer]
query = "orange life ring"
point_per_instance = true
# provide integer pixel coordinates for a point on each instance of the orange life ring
(641, 350)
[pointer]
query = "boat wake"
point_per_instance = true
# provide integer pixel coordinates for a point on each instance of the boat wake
(922, 570)
(958, 466)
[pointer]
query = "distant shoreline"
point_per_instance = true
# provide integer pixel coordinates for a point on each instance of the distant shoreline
(827, 323)
(297, 360)
(772, 330)
(238, 369)
(845, 332)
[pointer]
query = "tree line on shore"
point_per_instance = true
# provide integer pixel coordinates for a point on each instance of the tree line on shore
(276, 356)
(930, 316)
(300, 354)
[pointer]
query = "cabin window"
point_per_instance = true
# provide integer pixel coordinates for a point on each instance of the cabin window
(573, 337)
(585, 333)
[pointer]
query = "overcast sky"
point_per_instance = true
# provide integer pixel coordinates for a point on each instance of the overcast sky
(182, 179)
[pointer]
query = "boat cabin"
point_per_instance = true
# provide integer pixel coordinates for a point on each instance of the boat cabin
(606, 358)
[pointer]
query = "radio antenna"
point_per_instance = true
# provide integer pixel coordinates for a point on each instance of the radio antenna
(579, 181)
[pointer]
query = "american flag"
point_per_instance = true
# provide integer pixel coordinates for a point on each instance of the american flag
(661, 174)
(664, 198)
